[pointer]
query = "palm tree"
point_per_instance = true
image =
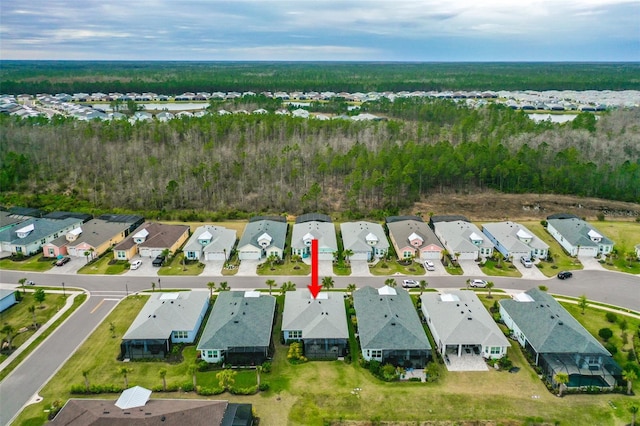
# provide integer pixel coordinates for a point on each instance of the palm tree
(226, 378)
(633, 410)
(327, 283)
(125, 371)
(270, 283)
(224, 286)
(583, 303)
(351, 288)
(561, 379)
(21, 281)
(271, 260)
(153, 286)
(390, 282)
(468, 282)
(9, 331)
(163, 375)
(85, 374)
(212, 286)
(32, 310)
(629, 376)
(287, 286)
(347, 254)
(490, 285)
(423, 286)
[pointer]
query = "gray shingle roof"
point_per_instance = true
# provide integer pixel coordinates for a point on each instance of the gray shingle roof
(506, 234)
(462, 321)
(97, 231)
(403, 229)
(239, 321)
(324, 317)
(223, 238)
(576, 231)
(316, 217)
(457, 235)
(166, 312)
(161, 235)
(354, 236)
(548, 327)
(41, 228)
(388, 321)
(324, 232)
(277, 230)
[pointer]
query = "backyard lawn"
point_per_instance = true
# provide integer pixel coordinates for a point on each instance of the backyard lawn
(317, 393)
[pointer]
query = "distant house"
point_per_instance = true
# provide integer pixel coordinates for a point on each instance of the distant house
(463, 240)
(461, 325)
(263, 237)
(239, 328)
(150, 240)
(166, 319)
(30, 236)
(7, 299)
(310, 227)
(515, 241)
(556, 342)
(320, 323)
(389, 327)
(7, 220)
(210, 242)
(412, 238)
(366, 240)
(578, 237)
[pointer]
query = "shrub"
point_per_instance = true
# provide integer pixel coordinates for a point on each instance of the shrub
(611, 317)
(200, 390)
(263, 387)
(605, 333)
(415, 379)
(187, 387)
(266, 367)
(244, 391)
(631, 355)
(611, 348)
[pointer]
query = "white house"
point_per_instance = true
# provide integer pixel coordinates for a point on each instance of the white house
(366, 240)
(515, 240)
(210, 242)
(578, 237)
(464, 240)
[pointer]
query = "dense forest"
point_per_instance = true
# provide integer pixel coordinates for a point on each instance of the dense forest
(173, 78)
(237, 164)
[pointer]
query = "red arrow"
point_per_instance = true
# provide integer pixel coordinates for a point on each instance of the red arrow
(314, 287)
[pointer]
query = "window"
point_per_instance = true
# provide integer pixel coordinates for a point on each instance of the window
(376, 353)
(52, 252)
(495, 350)
(191, 255)
(295, 334)
(407, 254)
(212, 354)
(180, 334)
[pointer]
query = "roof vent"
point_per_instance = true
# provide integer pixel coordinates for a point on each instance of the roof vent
(469, 318)
(560, 323)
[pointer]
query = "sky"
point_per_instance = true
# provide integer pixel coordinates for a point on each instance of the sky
(321, 30)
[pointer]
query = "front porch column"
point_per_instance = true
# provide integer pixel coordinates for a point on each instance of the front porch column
(459, 350)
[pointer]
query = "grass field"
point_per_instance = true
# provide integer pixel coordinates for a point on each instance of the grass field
(101, 266)
(317, 393)
(559, 260)
(36, 263)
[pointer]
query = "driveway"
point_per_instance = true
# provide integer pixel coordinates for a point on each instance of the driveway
(590, 263)
(247, 268)
(360, 268)
(144, 270)
(532, 273)
(440, 271)
(212, 268)
(70, 267)
(470, 267)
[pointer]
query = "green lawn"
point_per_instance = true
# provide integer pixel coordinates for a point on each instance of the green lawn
(506, 269)
(391, 267)
(287, 268)
(625, 235)
(316, 393)
(176, 266)
(36, 263)
(102, 266)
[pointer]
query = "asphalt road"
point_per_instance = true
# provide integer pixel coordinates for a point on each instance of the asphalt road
(25, 381)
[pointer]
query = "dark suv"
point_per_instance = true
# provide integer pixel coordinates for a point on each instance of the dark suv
(62, 261)
(564, 275)
(158, 261)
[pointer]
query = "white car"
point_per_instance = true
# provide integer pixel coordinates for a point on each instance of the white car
(136, 264)
(429, 266)
(478, 283)
(410, 283)
(526, 262)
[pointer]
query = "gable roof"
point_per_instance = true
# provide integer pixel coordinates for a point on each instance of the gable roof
(324, 232)
(165, 312)
(576, 231)
(405, 230)
(254, 230)
(355, 234)
(221, 238)
(41, 228)
(387, 320)
(158, 235)
(97, 231)
(315, 217)
(239, 319)
(323, 317)
(548, 327)
(509, 234)
(459, 317)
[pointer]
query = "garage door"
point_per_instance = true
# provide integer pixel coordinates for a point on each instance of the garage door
(325, 256)
(249, 255)
(588, 251)
(470, 255)
(214, 256)
(150, 253)
(431, 255)
(359, 256)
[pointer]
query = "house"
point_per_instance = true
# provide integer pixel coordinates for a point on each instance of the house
(239, 328)
(93, 238)
(320, 323)
(463, 240)
(314, 226)
(412, 238)
(556, 342)
(30, 236)
(461, 326)
(166, 319)
(578, 237)
(7, 299)
(366, 240)
(210, 242)
(263, 237)
(389, 327)
(515, 241)
(150, 240)
(135, 408)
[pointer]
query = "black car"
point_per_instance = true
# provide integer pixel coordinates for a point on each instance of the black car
(158, 261)
(62, 261)
(564, 275)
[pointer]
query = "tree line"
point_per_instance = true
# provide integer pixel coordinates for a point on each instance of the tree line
(274, 164)
(172, 78)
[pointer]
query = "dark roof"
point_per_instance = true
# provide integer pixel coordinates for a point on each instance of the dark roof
(26, 211)
(392, 219)
(122, 218)
(447, 218)
(178, 412)
(309, 217)
(65, 215)
(238, 415)
(272, 218)
(562, 216)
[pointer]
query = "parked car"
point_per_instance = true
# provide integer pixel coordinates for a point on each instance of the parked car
(563, 275)
(158, 261)
(429, 266)
(478, 283)
(62, 261)
(31, 282)
(410, 283)
(135, 264)
(526, 261)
